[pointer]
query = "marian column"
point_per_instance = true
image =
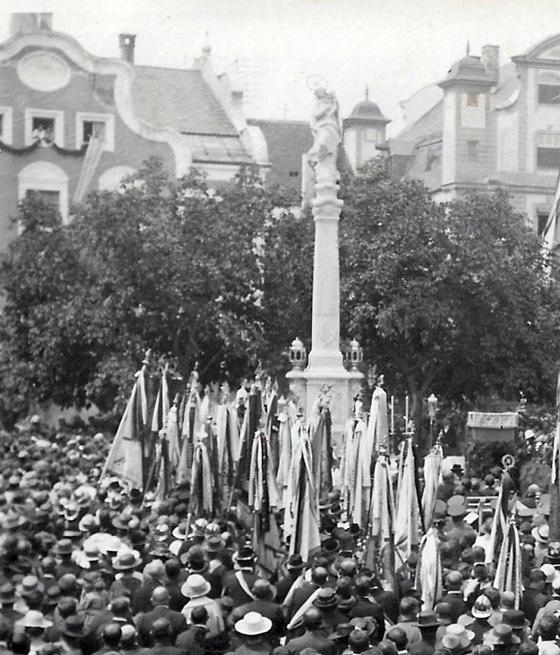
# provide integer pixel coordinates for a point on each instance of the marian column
(325, 365)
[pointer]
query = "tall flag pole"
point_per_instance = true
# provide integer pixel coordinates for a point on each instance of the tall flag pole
(356, 466)
(188, 429)
(126, 456)
(408, 508)
(380, 535)
(263, 497)
(555, 475)
(432, 477)
(429, 578)
(509, 567)
(301, 514)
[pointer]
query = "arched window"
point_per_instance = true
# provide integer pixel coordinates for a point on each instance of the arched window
(49, 181)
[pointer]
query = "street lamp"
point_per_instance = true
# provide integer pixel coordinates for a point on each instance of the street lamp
(432, 409)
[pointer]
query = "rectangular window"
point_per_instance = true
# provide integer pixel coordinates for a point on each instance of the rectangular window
(472, 150)
(548, 157)
(549, 94)
(96, 129)
(42, 129)
(371, 135)
(472, 99)
(100, 126)
(44, 126)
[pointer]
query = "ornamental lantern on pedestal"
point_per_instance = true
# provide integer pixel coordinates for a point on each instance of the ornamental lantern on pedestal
(355, 355)
(298, 354)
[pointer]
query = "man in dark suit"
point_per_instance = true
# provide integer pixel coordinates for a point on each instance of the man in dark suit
(160, 600)
(319, 576)
(454, 597)
(313, 637)
(366, 606)
(264, 604)
(295, 566)
(237, 584)
(190, 641)
(176, 576)
(162, 634)
(534, 597)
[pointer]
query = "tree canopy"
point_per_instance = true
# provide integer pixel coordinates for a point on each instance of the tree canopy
(220, 278)
(452, 298)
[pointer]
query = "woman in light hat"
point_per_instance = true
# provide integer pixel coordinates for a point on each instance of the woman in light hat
(196, 589)
(34, 624)
(540, 534)
(457, 638)
(502, 639)
(252, 628)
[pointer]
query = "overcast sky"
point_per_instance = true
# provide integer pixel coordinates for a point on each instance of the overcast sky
(393, 46)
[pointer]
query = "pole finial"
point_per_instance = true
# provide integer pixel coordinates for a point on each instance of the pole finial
(468, 48)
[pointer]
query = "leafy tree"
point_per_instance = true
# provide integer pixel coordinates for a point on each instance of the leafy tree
(166, 264)
(451, 298)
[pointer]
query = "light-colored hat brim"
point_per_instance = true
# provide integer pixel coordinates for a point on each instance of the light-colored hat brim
(243, 629)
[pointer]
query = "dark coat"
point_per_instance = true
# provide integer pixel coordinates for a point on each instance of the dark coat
(233, 589)
(365, 608)
(300, 595)
(146, 621)
(165, 649)
(531, 603)
(458, 605)
(284, 585)
(190, 640)
(141, 601)
(313, 640)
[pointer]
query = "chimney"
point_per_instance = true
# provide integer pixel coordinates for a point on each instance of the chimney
(491, 60)
(30, 22)
(127, 43)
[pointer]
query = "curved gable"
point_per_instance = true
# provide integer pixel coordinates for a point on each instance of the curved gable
(548, 49)
(124, 75)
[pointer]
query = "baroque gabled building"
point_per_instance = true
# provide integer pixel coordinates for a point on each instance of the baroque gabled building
(71, 122)
(487, 126)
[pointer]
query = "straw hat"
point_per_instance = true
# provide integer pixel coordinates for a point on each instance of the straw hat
(127, 560)
(540, 534)
(180, 532)
(195, 586)
(501, 635)
(326, 597)
(460, 633)
(28, 585)
(34, 619)
(7, 593)
(253, 624)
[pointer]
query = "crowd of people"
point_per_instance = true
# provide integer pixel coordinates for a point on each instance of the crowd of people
(91, 567)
